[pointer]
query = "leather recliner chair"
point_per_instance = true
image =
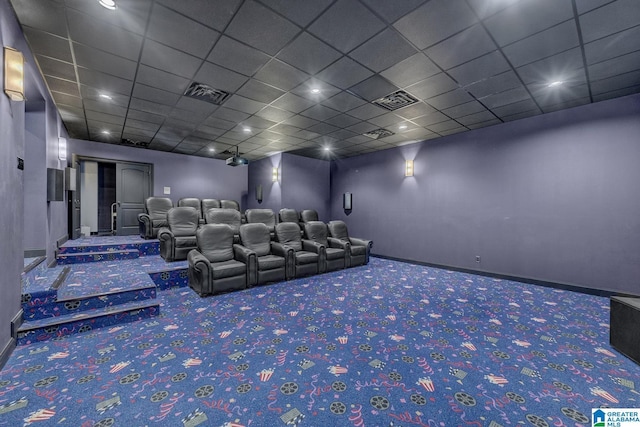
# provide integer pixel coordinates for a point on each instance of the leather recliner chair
(208, 204)
(359, 248)
(194, 203)
(232, 204)
(216, 265)
(179, 237)
(308, 215)
(288, 215)
(306, 258)
(264, 216)
(335, 251)
(270, 260)
(154, 217)
(230, 217)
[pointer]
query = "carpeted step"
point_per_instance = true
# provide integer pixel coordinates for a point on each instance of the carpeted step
(101, 244)
(53, 327)
(40, 284)
(110, 255)
(68, 303)
(31, 263)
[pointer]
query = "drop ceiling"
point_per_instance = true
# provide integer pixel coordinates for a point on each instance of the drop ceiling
(303, 75)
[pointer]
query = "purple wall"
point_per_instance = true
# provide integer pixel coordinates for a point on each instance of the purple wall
(35, 181)
(188, 176)
(306, 184)
(303, 183)
(260, 174)
(552, 197)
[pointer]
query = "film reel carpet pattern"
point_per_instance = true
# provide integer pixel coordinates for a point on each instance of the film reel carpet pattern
(387, 344)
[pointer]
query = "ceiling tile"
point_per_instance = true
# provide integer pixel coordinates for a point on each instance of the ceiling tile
(49, 45)
(104, 107)
(146, 117)
(342, 120)
(435, 21)
(200, 10)
(160, 79)
(484, 124)
(450, 99)
(155, 95)
(258, 123)
(343, 102)
(506, 97)
(479, 69)
(227, 114)
(53, 67)
(48, 16)
(344, 73)
(300, 121)
(319, 112)
(464, 109)
(612, 46)
(261, 28)
(188, 116)
(259, 91)
(243, 104)
(64, 99)
(558, 67)
(373, 88)
(293, 103)
(105, 118)
(385, 120)
(237, 56)
(302, 13)
(485, 8)
(435, 85)
(105, 62)
(620, 65)
(382, 51)
(495, 84)
(281, 75)
(308, 53)
(362, 127)
(109, 38)
(149, 107)
(527, 17)
(415, 110)
(411, 70)
(367, 111)
(168, 59)
(584, 6)
(544, 44)
(516, 108)
(131, 16)
(609, 19)
(218, 123)
(345, 25)
(551, 96)
(219, 78)
(523, 115)
(616, 93)
(444, 126)
(621, 81)
(176, 30)
(462, 47)
(274, 114)
(391, 11)
(323, 128)
(151, 128)
(104, 81)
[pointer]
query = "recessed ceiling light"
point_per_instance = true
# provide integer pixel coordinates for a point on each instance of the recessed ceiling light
(315, 90)
(212, 150)
(106, 132)
(105, 96)
(556, 83)
(401, 127)
(109, 4)
(327, 148)
(245, 129)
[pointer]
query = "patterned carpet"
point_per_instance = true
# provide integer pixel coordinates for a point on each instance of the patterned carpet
(388, 344)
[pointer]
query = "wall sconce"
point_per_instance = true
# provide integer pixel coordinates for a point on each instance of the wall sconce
(274, 175)
(13, 74)
(347, 201)
(62, 148)
(408, 168)
(259, 193)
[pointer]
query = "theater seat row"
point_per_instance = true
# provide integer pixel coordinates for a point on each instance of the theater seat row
(220, 265)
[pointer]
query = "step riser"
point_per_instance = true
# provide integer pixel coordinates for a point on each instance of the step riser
(81, 258)
(60, 308)
(146, 248)
(85, 325)
(170, 279)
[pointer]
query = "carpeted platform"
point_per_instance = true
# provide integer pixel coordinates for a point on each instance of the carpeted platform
(385, 344)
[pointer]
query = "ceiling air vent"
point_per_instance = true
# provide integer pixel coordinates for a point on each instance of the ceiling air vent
(206, 93)
(396, 100)
(378, 133)
(133, 143)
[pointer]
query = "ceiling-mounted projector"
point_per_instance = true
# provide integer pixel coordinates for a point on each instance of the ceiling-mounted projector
(237, 160)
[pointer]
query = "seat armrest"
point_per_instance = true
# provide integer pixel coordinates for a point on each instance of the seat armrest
(337, 243)
(279, 249)
(146, 227)
(164, 234)
(361, 242)
(194, 257)
(248, 257)
(311, 246)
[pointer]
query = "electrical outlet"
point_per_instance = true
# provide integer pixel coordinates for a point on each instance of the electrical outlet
(477, 258)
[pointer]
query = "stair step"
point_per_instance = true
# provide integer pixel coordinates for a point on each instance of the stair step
(83, 257)
(39, 286)
(33, 263)
(144, 247)
(53, 327)
(70, 305)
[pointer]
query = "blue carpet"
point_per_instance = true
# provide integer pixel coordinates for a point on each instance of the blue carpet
(385, 344)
